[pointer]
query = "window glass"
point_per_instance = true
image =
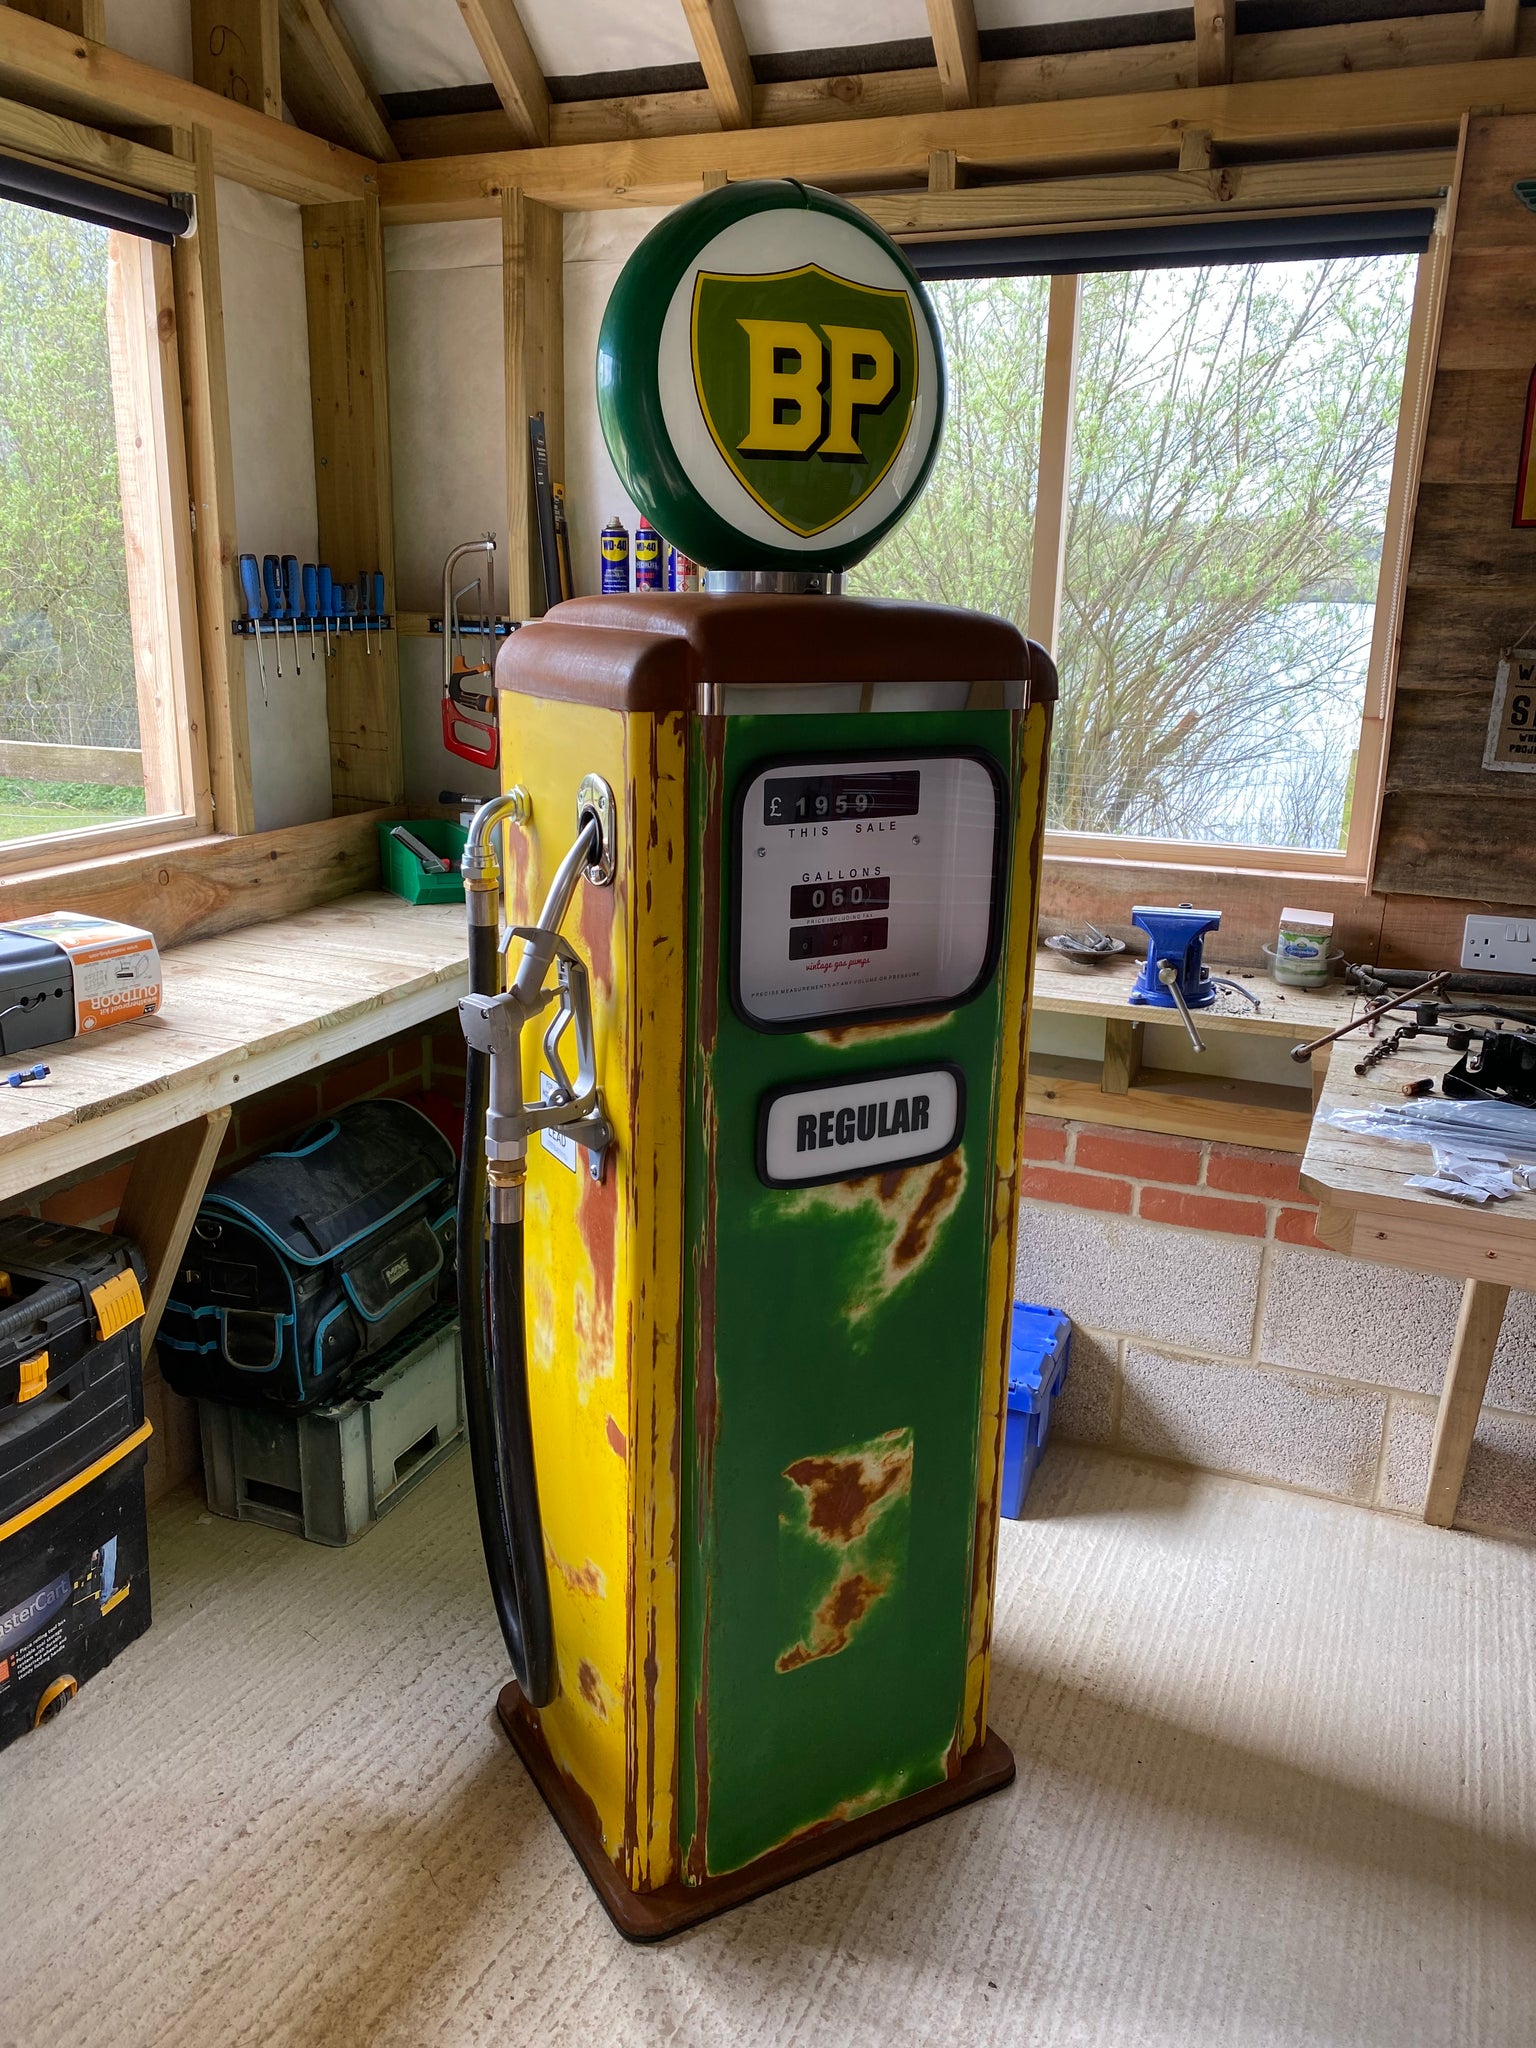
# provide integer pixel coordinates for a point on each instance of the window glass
(69, 721)
(968, 538)
(1233, 436)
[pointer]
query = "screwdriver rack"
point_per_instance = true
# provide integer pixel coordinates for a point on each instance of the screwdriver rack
(346, 622)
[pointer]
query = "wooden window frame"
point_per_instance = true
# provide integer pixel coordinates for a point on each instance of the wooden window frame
(1353, 861)
(162, 597)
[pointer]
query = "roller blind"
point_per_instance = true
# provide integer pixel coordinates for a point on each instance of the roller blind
(1381, 231)
(132, 213)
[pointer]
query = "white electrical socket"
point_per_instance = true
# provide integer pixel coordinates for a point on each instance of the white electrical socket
(1499, 945)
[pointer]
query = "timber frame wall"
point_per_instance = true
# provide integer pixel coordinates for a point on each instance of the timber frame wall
(1291, 122)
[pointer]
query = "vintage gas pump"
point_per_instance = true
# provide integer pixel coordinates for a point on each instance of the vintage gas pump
(749, 1103)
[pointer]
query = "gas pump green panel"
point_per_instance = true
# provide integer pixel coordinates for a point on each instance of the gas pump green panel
(837, 1335)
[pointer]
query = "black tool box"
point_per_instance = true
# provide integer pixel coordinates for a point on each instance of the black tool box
(74, 1586)
(312, 1259)
(74, 1559)
(71, 1381)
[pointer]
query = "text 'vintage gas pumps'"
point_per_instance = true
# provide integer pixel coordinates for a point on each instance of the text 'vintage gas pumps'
(739, 1196)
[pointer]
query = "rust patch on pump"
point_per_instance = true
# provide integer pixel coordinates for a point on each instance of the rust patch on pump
(850, 1502)
(597, 1207)
(843, 1494)
(598, 910)
(616, 1438)
(586, 1579)
(913, 1203)
(833, 1623)
(592, 1689)
(840, 1036)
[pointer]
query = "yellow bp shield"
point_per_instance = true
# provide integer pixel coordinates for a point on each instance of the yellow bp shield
(807, 384)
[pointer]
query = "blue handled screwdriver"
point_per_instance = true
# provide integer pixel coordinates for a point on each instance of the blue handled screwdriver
(311, 601)
(378, 605)
(327, 602)
(272, 577)
(362, 606)
(294, 587)
(250, 585)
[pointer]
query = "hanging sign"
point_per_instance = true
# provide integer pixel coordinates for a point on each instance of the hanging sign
(770, 379)
(1511, 745)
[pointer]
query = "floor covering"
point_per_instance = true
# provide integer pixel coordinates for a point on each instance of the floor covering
(1276, 1790)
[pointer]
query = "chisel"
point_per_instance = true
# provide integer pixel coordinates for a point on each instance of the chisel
(311, 601)
(250, 584)
(272, 578)
(294, 586)
(378, 604)
(362, 606)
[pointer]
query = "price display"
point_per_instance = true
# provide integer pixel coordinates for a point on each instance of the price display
(822, 799)
(828, 941)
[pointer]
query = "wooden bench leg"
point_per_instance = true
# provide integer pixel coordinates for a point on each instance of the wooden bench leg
(1122, 1054)
(1461, 1398)
(169, 1177)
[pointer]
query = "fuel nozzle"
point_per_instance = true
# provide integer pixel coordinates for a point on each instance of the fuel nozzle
(494, 1025)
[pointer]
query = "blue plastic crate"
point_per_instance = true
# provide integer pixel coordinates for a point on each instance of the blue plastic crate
(1040, 1352)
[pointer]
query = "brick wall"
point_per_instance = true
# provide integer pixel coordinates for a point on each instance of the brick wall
(1212, 1329)
(415, 1063)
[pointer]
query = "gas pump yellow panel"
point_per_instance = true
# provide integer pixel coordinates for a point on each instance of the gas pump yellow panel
(604, 1271)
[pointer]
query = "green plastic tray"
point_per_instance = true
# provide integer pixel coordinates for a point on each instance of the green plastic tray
(402, 871)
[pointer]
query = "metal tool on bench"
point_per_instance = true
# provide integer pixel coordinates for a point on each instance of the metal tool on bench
(469, 716)
(431, 863)
(1174, 975)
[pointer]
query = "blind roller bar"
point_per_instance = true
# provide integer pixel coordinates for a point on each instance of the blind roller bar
(109, 206)
(1240, 238)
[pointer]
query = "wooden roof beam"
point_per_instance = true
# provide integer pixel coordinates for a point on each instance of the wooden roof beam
(1498, 28)
(1406, 108)
(507, 54)
(1215, 37)
(956, 50)
(324, 81)
(62, 73)
(716, 31)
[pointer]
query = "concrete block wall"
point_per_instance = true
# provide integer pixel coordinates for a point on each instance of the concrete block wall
(416, 1063)
(1213, 1330)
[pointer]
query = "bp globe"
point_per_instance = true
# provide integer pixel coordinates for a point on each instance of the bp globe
(770, 379)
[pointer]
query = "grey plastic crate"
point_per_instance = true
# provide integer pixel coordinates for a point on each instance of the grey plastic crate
(329, 1474)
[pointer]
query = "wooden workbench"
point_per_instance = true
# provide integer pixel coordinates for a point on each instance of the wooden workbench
(241, 1012)
(1365, 1207)
(1145, 1098)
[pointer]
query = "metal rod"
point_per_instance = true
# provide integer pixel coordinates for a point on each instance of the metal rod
(1303, 1053)
(1168, 975)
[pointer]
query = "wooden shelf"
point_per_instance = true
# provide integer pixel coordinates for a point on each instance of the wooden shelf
(1119, 1090)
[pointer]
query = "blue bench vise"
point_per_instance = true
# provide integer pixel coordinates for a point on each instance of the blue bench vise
(1176, 938)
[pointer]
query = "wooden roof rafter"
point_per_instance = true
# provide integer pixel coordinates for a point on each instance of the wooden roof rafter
(499, 35)
(956, 51)
(716, 30)
(324, 81)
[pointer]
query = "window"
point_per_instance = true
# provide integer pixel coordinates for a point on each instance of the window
(1221, 473)
(100, 734)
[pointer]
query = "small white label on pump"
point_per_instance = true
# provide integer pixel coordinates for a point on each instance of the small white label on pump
(849, 1128)
(564, 1148)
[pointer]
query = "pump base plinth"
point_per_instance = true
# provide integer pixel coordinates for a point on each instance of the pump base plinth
(652, 1916)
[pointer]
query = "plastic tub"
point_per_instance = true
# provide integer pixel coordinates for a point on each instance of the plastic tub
(402, 872)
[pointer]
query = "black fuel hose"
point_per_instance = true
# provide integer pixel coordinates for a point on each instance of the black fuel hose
(496, 1382)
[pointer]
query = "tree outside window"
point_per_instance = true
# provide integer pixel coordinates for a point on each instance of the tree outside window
(1233, 437)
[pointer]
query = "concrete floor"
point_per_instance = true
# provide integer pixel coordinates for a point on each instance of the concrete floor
(1276, 1787)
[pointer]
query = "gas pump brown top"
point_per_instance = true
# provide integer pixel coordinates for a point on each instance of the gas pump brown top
(665, 652)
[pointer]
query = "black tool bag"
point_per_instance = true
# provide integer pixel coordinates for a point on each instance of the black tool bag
(308, 1261)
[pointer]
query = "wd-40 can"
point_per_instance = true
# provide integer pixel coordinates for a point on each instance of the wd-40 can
(682, 571)
(614, 543)
(647, 556)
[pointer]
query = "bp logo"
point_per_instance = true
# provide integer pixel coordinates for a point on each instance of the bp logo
(770, 379)
(807, 383)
